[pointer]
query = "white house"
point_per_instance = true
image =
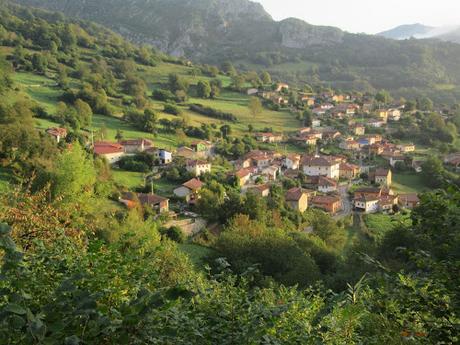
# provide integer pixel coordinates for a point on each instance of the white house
(367, 204)
(198, 168)
(321, 166)
(292, 161)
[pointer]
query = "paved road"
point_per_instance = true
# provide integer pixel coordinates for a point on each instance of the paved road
(347, 205)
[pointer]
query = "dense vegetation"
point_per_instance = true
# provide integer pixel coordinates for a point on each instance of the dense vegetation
(291, 49)
(76, 268)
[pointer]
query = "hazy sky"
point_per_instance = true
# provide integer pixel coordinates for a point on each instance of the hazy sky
(370, 16)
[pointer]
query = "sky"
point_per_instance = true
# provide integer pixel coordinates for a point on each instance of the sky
(369, 16)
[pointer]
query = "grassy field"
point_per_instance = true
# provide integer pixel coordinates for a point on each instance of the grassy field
(127, 179)
(379, 224)
(196, 253)
(408, 183)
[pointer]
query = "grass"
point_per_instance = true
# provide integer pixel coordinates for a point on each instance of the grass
(196, 253)
(408, 183)
(128, 179)
(5, 178)
(379, 224)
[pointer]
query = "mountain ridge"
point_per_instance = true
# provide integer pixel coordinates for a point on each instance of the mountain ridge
(241, 31)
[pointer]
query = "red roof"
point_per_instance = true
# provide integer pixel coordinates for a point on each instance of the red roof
(294, 194)
(193, 184)
(326, 181)
(325, 200)
(104, 148)
(243, 173)
(319, 161)
(57, 132)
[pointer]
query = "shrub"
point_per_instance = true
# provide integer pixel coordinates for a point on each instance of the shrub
(213, 113)
(172, 109)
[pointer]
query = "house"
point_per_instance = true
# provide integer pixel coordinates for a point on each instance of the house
(316, 123)
(189, 190)
(197, 167)
(409, 201)
(136, 145)
(373, 192)
(349, 171)
(306, 139)
(204, 149)
(453, 160)
(358, 129)
(281, 86)
(376, 149)
(382, 114)
(277, 99)
(252, 91)
(297, 199)
(331, 134)
(367, 107)
(367, 204)
(153, 201)
(375, 123)
(308, 100)
(163, 156)
(262, 191)
(394, 114)
(319, 111)
(338, 98)
(292, 161)
(327, 185)
(271, 172)
(243, 175)
(186, 152)
(57, 133)
(383, 177)
(331, 204)
(327, 106)
(112, 152)
(406, 148)
(349, 145)
(269, 137)
(395, 159)
(321, 166)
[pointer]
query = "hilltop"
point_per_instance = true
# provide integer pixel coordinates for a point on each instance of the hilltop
(403, 32)
(244, 33)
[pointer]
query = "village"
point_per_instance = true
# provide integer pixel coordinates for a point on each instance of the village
(340, 171)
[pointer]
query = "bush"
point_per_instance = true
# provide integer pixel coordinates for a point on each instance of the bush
(174, 233)
(133, 164)
(163, 95)
(213, 113)
(172, 109)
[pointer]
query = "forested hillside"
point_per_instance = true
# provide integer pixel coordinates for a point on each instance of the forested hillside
(79, 267)
(242, 32)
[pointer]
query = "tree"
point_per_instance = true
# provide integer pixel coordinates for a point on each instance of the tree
(226, 130)
(177, 83)
(39, 63)
(228, 69)
(203, 89)
(119, 136)
(150, 121)
(74, 175)
(307, 118)
(255, 106)
(266, 78)
(84, 112)
(383, 97)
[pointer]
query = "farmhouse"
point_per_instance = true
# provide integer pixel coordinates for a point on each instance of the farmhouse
(262, 191)
(331, 204)
(409, 201)
(112, 152)
(136, 145)
(292, 161)
(243, 175)
(349, 171)
(57, 133)
(321, 166)
(269, 137)
(297, 199)
(153, 201)
(189, 190)
(383, 177)
(197, 167)
(327, 185)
